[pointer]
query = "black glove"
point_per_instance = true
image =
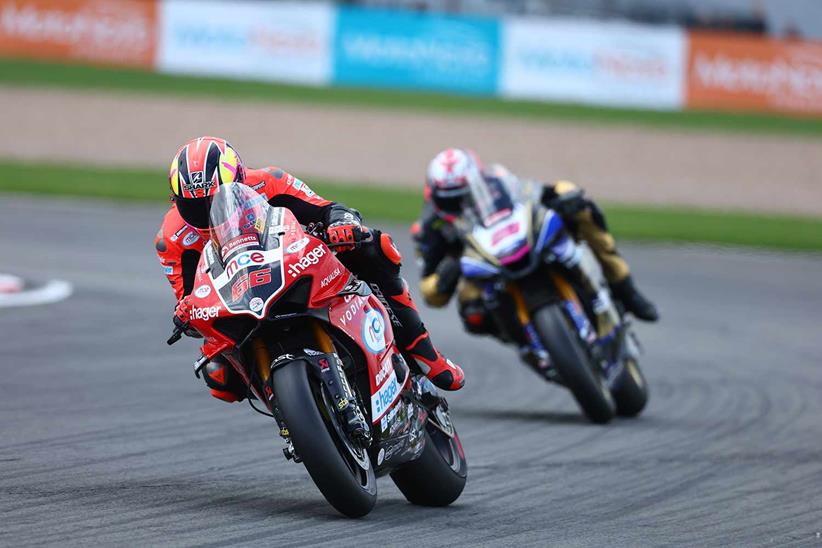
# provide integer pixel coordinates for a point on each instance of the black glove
(567, 204)
(448, 275)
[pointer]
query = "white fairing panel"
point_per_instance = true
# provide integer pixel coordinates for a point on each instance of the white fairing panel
(505, 235)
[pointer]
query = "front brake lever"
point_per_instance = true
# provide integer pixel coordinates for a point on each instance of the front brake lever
(176, 335)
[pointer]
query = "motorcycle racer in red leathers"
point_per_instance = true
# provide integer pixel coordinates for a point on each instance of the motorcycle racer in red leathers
(200, 167)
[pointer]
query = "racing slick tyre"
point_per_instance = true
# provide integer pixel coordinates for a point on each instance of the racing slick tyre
(630, 390)
(577, 371)
(341, 470)
(437, 477)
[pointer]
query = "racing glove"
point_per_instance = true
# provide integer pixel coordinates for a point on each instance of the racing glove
(346, 232)
(567, 204)
(182, 313)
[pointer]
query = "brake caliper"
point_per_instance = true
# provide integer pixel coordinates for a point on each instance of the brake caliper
(345, 401)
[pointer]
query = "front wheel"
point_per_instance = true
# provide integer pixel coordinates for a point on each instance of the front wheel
(437, 477)
(341, 470)
(575, 367)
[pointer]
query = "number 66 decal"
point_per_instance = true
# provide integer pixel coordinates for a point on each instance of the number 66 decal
(247, 281)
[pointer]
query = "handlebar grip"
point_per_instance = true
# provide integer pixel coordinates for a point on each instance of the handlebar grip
(176, 335)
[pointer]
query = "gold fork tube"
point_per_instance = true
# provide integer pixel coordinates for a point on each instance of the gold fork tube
(263, 360)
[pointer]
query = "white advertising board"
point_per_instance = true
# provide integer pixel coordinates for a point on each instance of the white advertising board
(275, 41)
(612, 64)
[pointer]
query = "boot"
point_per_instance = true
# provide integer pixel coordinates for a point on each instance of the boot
(413, 339)
(223, 381)
(633, 301)
(440, 370)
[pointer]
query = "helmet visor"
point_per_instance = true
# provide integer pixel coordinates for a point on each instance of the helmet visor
(194, 211)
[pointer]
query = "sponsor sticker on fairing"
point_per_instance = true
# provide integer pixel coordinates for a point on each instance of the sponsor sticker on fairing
(255, 304)
(203, 291)
(385, 422)
(309, 259)
(168, 270)
(331, 277)
(298, 245)
(385, 369)
(205, 313)
(348, 314)
(239, 242)
(382, 399)
(373, 331)
(244, 260)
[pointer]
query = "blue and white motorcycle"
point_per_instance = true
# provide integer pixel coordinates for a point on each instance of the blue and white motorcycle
(544, 296)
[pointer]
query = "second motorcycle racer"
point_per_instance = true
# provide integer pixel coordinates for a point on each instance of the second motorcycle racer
(439, 248)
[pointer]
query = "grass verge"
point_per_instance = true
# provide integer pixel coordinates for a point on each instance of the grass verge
(32, 73)
(659, 224)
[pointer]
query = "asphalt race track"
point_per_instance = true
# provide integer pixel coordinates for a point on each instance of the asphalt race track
(107, 438)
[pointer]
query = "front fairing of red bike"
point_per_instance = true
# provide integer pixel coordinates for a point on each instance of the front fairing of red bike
(249, 283)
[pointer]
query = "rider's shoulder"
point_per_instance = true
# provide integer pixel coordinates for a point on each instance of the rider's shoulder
(175, 233)
(172, 221)
(268, 178)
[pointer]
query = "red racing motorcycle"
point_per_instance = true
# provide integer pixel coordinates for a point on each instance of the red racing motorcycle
(315, 346)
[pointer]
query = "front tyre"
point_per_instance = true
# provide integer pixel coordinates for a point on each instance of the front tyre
(437, 477)
(573, 364)
(343, 476)
(630, 390)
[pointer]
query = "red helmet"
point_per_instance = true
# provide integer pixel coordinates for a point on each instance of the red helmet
(197, 170)
(449, 175)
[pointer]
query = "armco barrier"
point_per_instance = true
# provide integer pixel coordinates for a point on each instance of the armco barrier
(277, 41)
(112, 33)
(416, 51)
(613, 64)
(732, 73)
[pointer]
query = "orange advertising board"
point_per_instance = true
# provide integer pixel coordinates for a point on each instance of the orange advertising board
(111, 32)
(751, 73)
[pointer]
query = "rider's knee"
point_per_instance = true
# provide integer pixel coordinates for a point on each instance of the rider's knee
(224, 382)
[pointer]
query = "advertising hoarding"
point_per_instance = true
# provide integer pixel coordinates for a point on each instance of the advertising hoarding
(92, 31)
(276, 41)
(611, 64)
(739, 72)
(416, 51)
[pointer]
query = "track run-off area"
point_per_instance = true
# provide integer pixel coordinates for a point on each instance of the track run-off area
(107, 438)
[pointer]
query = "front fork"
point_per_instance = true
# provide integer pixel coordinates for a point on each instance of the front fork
(330, 372)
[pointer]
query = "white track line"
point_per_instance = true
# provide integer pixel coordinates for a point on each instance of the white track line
(52, 292)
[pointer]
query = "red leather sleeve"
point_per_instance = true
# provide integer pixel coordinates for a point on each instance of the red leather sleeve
(174, 240)
(282, 189)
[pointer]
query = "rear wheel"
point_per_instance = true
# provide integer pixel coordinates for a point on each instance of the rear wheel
(438, 476)
(575, 367)
(340, 469)
(630, 390)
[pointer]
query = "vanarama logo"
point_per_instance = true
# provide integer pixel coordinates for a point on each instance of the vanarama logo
(308, 259)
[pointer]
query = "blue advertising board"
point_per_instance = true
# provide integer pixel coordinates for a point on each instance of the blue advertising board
(400, 49)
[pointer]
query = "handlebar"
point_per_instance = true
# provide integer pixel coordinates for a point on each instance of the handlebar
(177, 334)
